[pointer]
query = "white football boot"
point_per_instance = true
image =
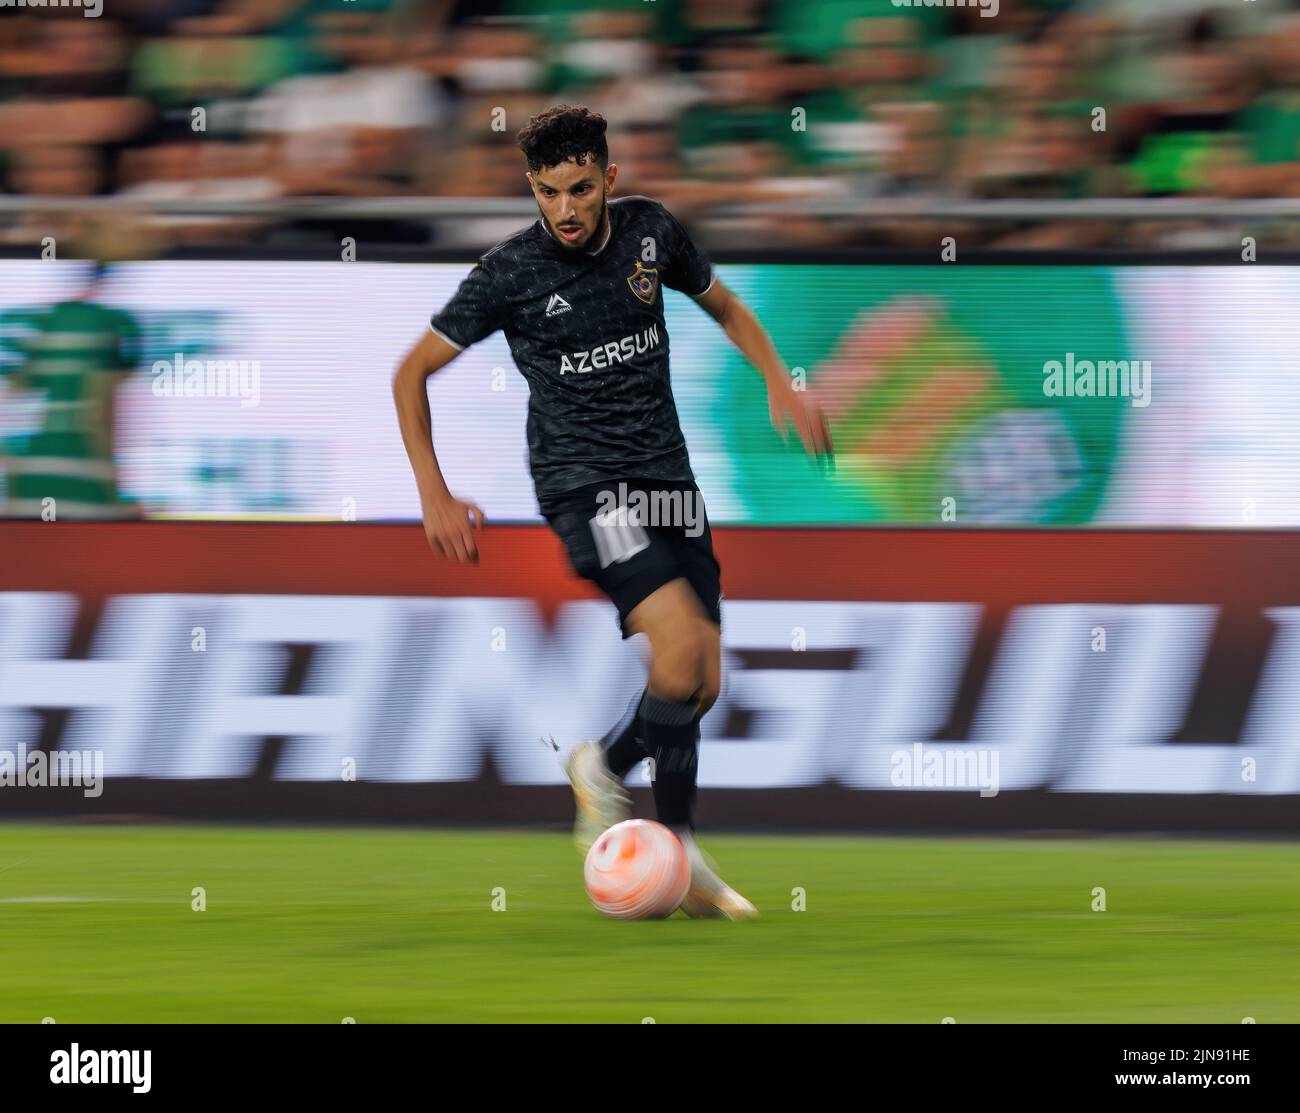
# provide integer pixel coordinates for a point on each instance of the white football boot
(601, 798)
(709, 897)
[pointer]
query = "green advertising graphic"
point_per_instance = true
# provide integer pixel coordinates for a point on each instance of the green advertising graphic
(932, 378)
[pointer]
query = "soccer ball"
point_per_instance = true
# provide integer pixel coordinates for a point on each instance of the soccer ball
(637, 870)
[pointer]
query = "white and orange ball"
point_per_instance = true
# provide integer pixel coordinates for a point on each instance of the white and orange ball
(637, 870)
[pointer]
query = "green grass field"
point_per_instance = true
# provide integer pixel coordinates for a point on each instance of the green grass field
(312, 925)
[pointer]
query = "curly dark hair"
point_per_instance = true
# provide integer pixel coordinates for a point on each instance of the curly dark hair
(567, 131)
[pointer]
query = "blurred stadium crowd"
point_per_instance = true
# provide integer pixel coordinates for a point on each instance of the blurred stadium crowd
(715, 106)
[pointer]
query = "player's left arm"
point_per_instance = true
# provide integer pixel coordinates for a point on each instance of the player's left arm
(785, 404)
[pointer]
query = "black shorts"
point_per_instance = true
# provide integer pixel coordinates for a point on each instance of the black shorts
(632, 536)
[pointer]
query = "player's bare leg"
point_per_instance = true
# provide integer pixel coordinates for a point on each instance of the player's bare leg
(596, 770)
(685, 674)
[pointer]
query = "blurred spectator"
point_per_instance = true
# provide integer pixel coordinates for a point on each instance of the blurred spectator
(66, 362)
(714, 105)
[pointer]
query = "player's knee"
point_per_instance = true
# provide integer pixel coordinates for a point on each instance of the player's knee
(680, 666)
(676, 679)
(708, 692)
(711, 681)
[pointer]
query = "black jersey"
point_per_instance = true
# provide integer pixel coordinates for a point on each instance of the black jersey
(586, 328)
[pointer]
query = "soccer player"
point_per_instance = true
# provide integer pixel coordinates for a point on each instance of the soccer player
(71, 357)
(579, 297)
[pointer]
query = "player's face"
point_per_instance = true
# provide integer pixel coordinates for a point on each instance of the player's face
(572, 200)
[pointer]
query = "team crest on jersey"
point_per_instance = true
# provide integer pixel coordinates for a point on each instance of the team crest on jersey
(644, 282)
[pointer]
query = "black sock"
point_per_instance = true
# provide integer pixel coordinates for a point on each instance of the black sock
(671, 731)
(623, 747)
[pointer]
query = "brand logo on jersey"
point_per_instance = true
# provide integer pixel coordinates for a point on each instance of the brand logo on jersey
(556, 306)
(644, 282)
(606, 355)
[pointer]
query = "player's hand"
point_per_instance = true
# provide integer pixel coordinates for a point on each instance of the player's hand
(787, 407)
(447, 525)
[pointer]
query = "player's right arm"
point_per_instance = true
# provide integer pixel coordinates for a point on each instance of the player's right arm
(446, 518)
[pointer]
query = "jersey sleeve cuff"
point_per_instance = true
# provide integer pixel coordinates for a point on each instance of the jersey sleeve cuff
(458, 347)
(713, 277)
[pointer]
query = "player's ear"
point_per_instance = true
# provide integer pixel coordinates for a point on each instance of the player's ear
(610, 175)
